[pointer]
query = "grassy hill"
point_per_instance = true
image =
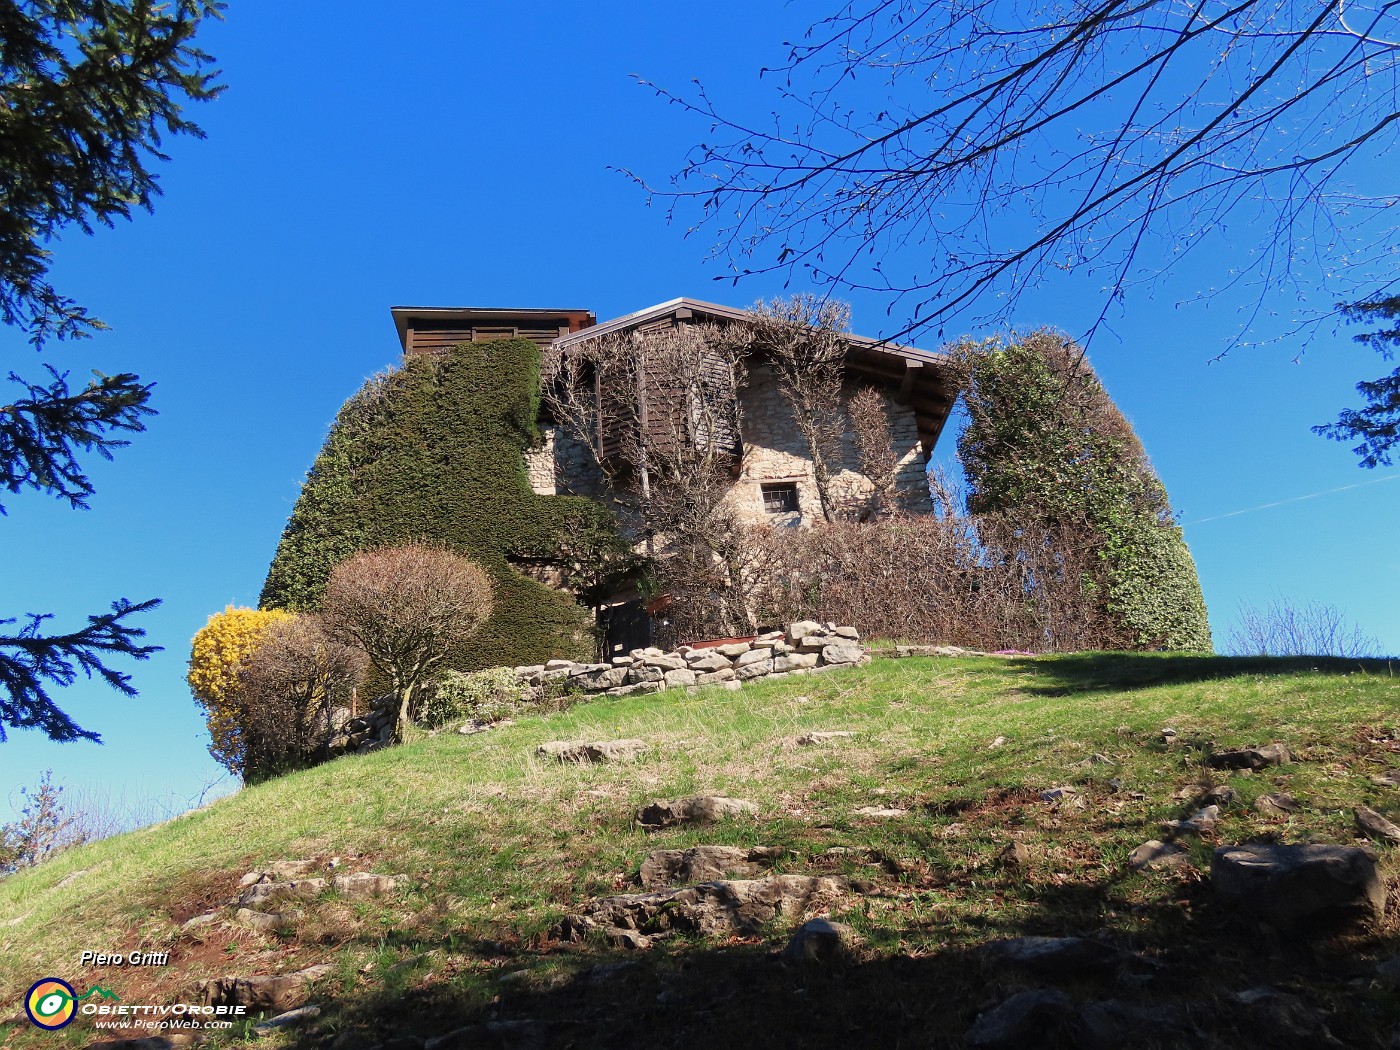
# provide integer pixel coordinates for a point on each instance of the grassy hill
(498, 845)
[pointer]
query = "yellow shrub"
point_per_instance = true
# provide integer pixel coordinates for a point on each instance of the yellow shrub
(228, 639)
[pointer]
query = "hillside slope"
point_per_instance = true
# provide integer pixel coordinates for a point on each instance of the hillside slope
(498, 844)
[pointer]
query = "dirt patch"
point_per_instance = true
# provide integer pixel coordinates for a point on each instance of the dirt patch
(997, 801)
(201, 892)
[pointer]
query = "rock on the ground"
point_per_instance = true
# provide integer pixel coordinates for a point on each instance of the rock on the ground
(1220, 795)
(628, 939)
(698, 809)
(1375, 826)
(266, 921)
(1066, 957)
(1015, 854)
(363, 885)
(588, 752)
(807, 739)
(1157, 854)
(817, 941)
(713, 908)
(1117, 1025)
(1251, 757)
(207, 919)
(670, 867)
(279, 993)
(1276, 803)
(1200, 823)
(1027, 1019)
(1282, 1019)
(881, 812)
(300, 1015)
(298, 889)
(1287, 885)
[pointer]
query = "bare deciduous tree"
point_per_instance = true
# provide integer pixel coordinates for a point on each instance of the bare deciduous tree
(406, 608)
(870, 423)
(288, 691)
(805, 339)
(1005, 143)
(1289, 628)
(660, 412)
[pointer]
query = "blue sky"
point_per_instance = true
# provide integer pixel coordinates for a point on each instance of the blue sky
(461, 155)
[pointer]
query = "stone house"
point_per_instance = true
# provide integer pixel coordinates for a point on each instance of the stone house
(774, 480)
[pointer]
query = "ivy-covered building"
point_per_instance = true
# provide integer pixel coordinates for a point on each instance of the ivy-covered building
(456, 446)
(774, 478)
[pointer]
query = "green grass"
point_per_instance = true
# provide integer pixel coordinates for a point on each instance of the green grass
(499, 846)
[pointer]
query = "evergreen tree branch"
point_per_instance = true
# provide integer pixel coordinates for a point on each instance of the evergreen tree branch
(40, 433)
(30, 660)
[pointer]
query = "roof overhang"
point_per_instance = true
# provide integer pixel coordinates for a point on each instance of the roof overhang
(407, 317)
(917, 378)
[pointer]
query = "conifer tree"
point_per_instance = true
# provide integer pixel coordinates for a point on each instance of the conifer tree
(87, 90)
(1377, 423)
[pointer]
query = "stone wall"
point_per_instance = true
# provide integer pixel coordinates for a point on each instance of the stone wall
(564, 466)
(774, 450)
(805, 647)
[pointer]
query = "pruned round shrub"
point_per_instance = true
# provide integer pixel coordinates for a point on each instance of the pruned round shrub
(407, 608)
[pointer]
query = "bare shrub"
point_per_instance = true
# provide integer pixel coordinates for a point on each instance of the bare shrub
(1285, 627)
(289, 690)
(989, 584)
(44, 827)
(406, 608)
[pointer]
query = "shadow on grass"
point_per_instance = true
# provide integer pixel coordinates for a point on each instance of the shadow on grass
(1109, 672)
(906, 988)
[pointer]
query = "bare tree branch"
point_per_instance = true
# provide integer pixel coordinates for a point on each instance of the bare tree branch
(1006, 143)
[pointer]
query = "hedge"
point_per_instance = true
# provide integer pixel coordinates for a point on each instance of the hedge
(434, 451)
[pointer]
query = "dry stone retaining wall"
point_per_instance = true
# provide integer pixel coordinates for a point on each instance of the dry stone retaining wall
(804, 647)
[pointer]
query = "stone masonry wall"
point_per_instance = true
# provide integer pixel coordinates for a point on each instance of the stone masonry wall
(564, 466)
(805, 647)
(775, 451)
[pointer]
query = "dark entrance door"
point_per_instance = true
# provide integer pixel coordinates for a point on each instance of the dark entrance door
(625, 627)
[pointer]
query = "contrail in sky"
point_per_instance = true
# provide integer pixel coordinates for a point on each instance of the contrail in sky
(1295, 499)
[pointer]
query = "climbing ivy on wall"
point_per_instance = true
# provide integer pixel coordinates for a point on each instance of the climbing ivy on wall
(435, 451)
(1044, 439)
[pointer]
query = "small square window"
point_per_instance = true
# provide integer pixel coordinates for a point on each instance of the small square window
(780, 497)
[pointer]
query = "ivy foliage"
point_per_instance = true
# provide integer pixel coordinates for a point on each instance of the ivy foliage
(434, 452)
(1045, 441)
